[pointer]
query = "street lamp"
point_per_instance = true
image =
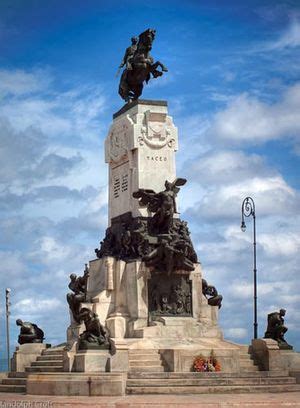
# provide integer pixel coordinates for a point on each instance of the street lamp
(7, 298)
(248, 209)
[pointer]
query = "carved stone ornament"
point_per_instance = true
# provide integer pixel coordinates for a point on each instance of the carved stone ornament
(157, 130)
(118, 144)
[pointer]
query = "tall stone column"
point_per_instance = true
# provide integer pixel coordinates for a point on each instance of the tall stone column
(140, 150)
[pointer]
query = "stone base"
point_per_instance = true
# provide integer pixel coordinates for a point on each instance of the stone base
(177, 355)
(25, 354)
(271, 357)
(104, 384)
(125, 306)
(180, 328)
(91, 361)
(116, 326)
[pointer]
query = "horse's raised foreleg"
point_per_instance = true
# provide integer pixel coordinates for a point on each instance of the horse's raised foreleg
(159, 64)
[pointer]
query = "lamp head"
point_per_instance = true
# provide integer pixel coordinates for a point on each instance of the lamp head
(243, 226)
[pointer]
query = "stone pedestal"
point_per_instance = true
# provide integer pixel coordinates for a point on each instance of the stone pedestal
(271, 358)
(140, 149)
(127, 316)
(91, 361)
(25, 354)
(161, 305)
(77, 384)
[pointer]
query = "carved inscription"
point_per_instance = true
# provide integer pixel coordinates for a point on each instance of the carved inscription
(116, 187)
(124, 185)
(120, 185)
(157, 158)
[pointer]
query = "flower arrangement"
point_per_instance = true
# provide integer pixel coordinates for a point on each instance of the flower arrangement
(203, 364)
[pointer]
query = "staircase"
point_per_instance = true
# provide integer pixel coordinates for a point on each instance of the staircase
(147, 376)
(15, 383)
(50, 361)
(145, 361)
(203, 383)
(247, 363)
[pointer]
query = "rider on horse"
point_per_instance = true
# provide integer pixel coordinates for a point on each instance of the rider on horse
(139, 66)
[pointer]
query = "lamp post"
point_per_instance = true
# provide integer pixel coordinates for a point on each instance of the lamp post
(248, 209)
(7, 298)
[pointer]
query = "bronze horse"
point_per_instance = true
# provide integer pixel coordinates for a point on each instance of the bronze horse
(132, 80)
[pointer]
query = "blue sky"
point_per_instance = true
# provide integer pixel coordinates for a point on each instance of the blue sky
(233, 89)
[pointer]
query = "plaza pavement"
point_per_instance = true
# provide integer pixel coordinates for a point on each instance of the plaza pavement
(270, 400)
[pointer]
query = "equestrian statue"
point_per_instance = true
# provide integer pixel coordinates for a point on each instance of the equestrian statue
(139, 66)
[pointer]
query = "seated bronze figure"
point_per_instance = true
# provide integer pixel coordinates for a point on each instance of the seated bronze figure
(276, 329)
(29, 333)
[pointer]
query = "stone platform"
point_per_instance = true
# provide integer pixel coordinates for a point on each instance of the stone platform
(260, 399)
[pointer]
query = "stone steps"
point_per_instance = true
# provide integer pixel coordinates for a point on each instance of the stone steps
(14, 374)
(50, 361)
(193, 375)
(14, 381)
(48, 352)
(246, 361)
(145, 360)
(146, 357)
(245, 357)
(44, 369)
(144, 363)
(12, 388)
(182, 382)
(46, 363)
(156, 368)
(223, 389)
(49, 357)
(213, 382)
(249, 367)
(143, 351)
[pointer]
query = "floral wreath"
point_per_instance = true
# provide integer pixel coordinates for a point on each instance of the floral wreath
(203, 364)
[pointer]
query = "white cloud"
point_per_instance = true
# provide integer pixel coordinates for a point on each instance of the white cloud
(290, 38)
(236, 332)
(21, 82)
(219, 167)
(280, 244)
(33, 306)
(272, 195)
(248, 120)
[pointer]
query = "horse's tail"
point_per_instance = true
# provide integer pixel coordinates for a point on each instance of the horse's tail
(123, 86)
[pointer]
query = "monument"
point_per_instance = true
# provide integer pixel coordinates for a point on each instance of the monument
(146, 284)
(143, 305)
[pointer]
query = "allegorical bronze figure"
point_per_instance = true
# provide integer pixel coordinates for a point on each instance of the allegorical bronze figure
(139, 66)
(161, 241)
(211, 294)
(163, 204)
(29, 333)
(276, 329)
(78, 286)
(95, 335)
